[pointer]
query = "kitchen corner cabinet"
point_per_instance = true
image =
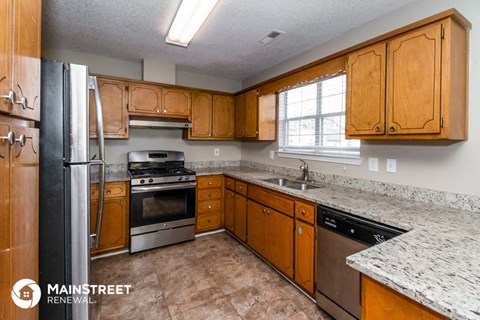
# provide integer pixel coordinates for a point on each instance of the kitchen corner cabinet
(19, 175)
(212, 117)
(20, 64)
(413, 86)
(114, 233)
(381, 302)
(209, 203)
(114, 98)
(255, 117)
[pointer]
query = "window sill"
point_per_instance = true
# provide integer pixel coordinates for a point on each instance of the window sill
(324, 158)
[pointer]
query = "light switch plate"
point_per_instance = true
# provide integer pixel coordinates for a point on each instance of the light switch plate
(216, 152)
(373, 164)
(392, 165)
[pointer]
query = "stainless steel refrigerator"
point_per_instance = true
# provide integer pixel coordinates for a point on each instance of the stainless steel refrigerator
(65, 162)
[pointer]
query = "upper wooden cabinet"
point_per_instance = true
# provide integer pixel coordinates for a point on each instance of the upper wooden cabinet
(176, 103)
(144, 99)
(20, 65)
(212, 117)
(114, 98)
(413, 86)
(255, 117)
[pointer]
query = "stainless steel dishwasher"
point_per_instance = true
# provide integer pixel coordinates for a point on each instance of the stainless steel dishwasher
(339, 236)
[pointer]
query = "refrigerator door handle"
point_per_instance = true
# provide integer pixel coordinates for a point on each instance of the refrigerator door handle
(101, 158)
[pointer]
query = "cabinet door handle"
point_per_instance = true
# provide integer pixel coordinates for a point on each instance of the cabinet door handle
(210, 195)
(264, 210)
(300, 230)
(209, 221)
(22, 140)
(377, 129)
(209, 182)
(109, 191)
(392, 129)
(22, 102)
(209, 207)
(10, 97)
(9, 138)
(233, 195)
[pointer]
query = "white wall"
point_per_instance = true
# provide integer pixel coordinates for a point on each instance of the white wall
(453, 167)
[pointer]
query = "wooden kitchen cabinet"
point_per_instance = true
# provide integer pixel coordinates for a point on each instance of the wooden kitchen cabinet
(236, 208)
(114, 98)
(251, 114)
(212, 117)
(4, 222)
(240, 217)
(257, 227)
(176, 103)
(20, 64)
(209, 203)
(229, 210)
(305, 255)
(380, 302)
(114, 232)
(422, 77)
(144, 99)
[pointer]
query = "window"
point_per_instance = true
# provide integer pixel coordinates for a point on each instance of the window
(312, 122)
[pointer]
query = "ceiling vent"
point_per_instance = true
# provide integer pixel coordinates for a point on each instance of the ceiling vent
(269, 37)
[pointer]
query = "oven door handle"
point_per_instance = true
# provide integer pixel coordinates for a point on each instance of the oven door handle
(176, 186)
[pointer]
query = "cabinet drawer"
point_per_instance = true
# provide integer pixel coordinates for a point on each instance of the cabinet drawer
(209, 182)
(206, 206)
(271, 200)
(230, 184)
(112, 190)
(207, 194)
(208, 221)
(241, 188)
(305, 212)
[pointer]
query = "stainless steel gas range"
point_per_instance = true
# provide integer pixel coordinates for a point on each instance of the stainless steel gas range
(162, 199)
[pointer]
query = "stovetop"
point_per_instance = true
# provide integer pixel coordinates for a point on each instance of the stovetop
(159, 172)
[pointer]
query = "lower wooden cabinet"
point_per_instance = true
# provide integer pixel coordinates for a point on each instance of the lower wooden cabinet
(209, 213)
(229, 210)
(305, 256)
(380, 302)
(240, 228)
(114, 231)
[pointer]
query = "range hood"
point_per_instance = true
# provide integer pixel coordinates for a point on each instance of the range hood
(155, 124)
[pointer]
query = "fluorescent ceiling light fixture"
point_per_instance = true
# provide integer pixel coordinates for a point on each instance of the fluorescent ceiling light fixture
(190, 17)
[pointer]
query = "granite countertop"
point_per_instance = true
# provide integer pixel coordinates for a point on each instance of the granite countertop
(436, 263)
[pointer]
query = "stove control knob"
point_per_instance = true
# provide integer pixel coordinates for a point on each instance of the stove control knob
(142, 181)
(180, 178)
(150, 180)
(187, 178)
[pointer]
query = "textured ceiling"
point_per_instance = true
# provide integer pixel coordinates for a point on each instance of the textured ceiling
(226, 45)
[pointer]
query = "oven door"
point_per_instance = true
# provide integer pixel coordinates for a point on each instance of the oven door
(160, 204)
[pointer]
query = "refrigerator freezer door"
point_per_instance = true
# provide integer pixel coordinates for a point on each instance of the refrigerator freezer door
(79, 191)
(78, 114)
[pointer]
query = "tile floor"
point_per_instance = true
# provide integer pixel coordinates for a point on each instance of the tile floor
(213, 277)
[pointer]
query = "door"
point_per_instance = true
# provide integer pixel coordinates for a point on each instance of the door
(239, 106)
(229, 214)
(176, 103)
(251, 114)
(5, 54)
(222, 121)
(113, 232)
(413, 81)
(280, 241)
(201, 115)
(24, 175)
(305, 255)
(257, 227)
(26, 58)
(365, 109)
(145, 99)
(241, 217)
(113, 95)
(4, 221)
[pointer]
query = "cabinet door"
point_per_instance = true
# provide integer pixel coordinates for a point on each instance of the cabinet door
(305, 255)
(5, 56)
(239, 106)
(230, 210)
(280, 241)
(24, 213)
(413, 82)
(241, 217)
(201, 115)
(222, 126)
(257, 229)
(251, 104)
(365, 110)
(144, 99)
(113, 95)
(114, 230)
(176, 103)
(26, 57)
(4, 222)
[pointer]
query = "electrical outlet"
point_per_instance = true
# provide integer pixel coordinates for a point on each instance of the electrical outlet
(216, 152)
(373, 164)
(392, 165)
(272, 155)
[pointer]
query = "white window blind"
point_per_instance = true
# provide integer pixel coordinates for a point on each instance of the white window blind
(312, 122)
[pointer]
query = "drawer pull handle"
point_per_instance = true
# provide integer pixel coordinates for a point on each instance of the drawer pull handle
(209, 194)
(303, 212)
(209, 207)
(109, 191)
(392, 129)
(209, 182)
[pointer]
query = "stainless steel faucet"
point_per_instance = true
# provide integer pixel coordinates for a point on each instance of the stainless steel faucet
(304, 167)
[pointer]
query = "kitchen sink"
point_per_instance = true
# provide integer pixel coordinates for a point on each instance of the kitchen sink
(298, 185)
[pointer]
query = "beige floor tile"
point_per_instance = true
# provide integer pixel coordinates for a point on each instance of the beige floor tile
(315, 313)
(219, 309)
